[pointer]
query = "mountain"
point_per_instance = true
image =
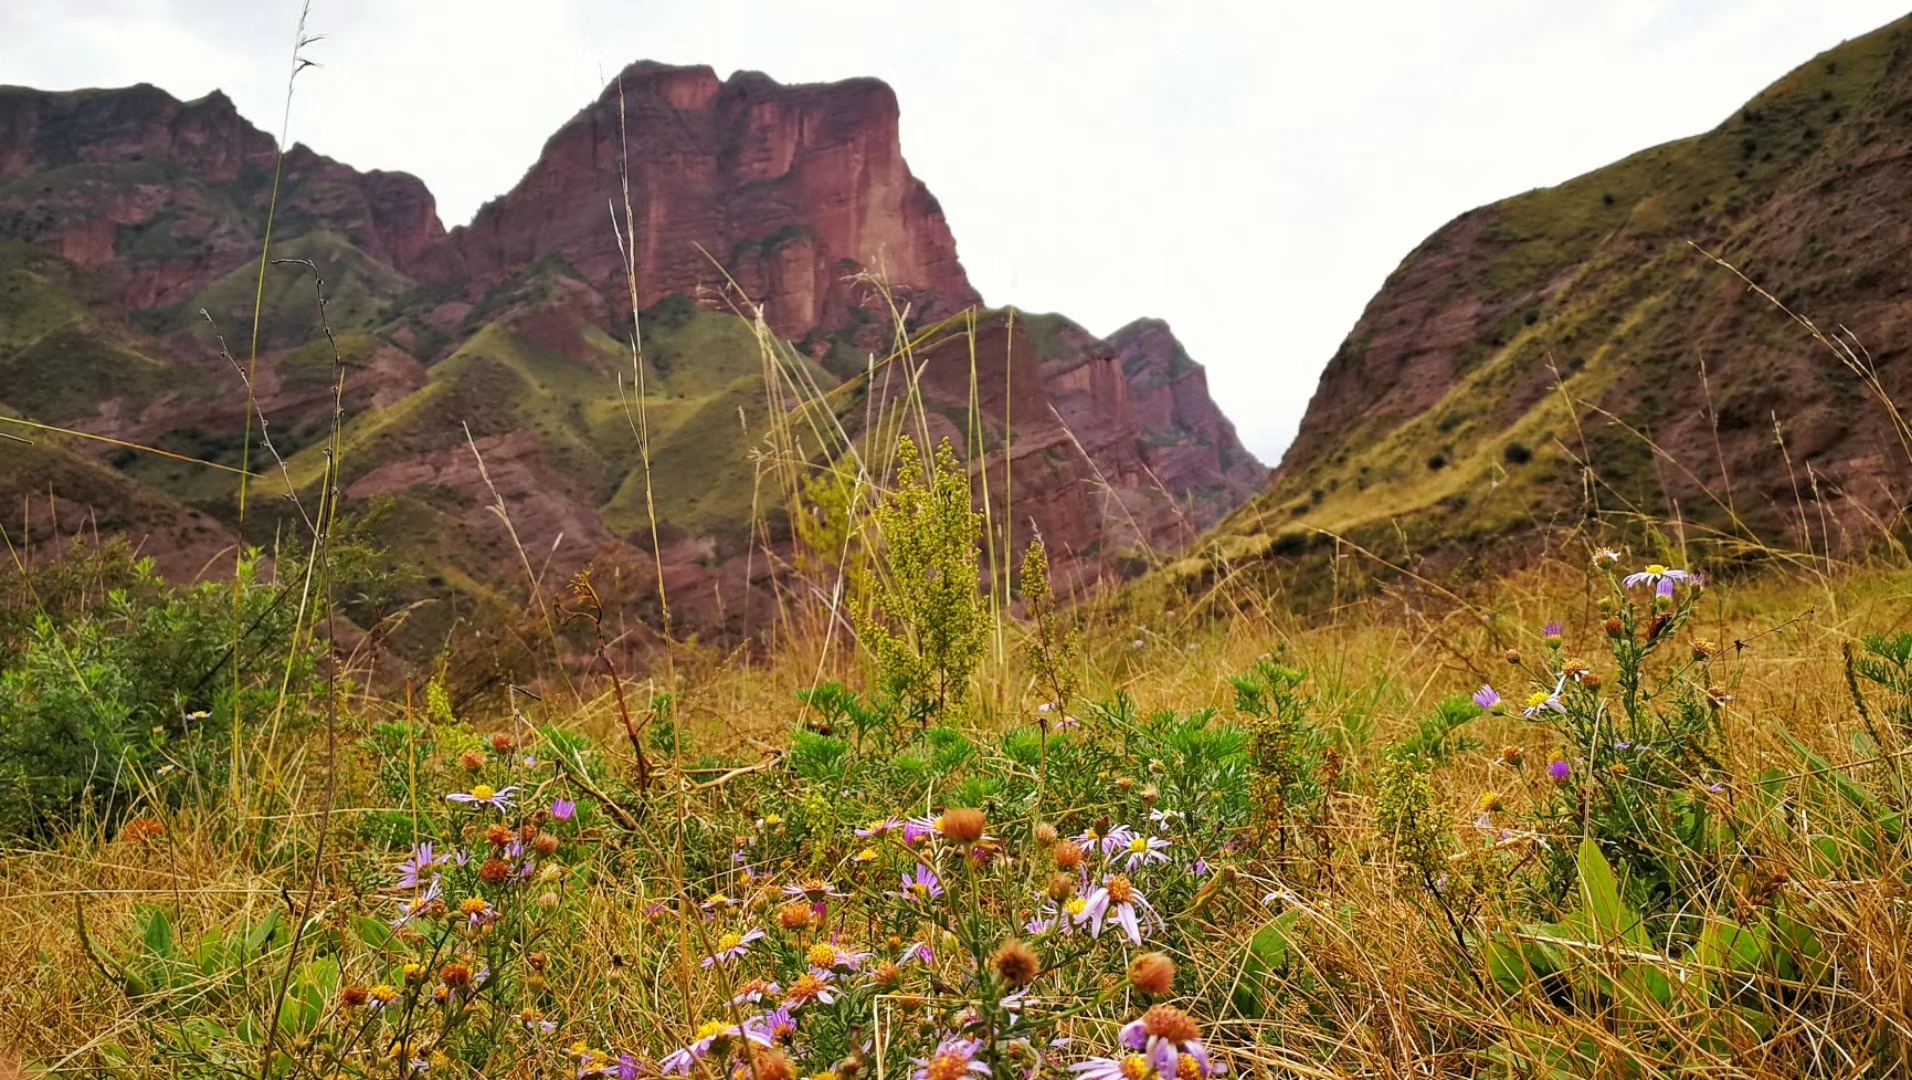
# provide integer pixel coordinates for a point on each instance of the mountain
(131, 225)
(1585, 324)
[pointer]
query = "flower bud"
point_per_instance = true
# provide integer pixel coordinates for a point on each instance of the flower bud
(1152, 974)
(964, 825)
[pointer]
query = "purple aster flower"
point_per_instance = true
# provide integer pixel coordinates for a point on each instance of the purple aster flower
(1487, 698)
(1163, 819)
(921, 885)
(1559, 770)
(1664, 590)
(485, 795)
(1553, 631)
(812, 985)
(411, 872)
(1200, 869)
(1146, 849)
(680, 1061)
(413, 908)
(879, 829)
(1163, 1040)
(731, 945)
(1117, 897)
(953, 1058)
(1653, 575)
(1542, 702)
(780, 1024)
(1108, 842)
(562, 809)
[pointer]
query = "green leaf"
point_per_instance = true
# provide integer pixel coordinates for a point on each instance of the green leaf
(376, 935)
(1609, 917)
(156, 933)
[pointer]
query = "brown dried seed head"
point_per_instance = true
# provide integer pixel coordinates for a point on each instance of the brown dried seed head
(1016, 963)
(964, 825)
(1152, 974)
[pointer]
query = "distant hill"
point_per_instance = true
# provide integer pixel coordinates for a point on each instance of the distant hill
(1570, 325)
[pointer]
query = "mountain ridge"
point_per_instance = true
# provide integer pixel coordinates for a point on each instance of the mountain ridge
(125, 213)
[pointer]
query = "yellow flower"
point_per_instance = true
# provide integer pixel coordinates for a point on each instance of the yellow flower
(1490, 803)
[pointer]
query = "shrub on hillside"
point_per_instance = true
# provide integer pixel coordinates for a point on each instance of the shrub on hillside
(133, 694)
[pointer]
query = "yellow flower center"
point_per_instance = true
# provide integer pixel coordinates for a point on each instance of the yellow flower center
(729, 941)
(1075, 905)
(1537, 699)
(822, 956)
(1656, 568)
(1139, 845)
(384, 993)
(484, 792)
(806, 987)
(1136, 1067)
(866, 855)
(773, 819)
(710, 1029)
(1120, 891)
(1490, 802)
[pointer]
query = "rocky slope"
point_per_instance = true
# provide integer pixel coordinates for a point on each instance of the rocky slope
(126, 214)
(1572, 351)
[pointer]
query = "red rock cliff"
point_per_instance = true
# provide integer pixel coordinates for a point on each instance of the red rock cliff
(790, 189)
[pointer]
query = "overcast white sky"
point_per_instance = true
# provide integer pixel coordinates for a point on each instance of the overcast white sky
(1248, 171)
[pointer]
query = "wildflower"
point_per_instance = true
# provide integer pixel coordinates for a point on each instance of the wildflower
(1615, 626)
(563, 809)
(1559, 770)
(1016, 963)
(412, 909)
(1118, 895)
(1513, 756)
(731, 945)
(536, 1022)
(766, 1065)
(1618, 768)
(1067, 855)
(1067, 723)
(1653, 575)
(795, 916)
(1487, 698)
(709, 1035)
(780, 1024)
(1146, 849)
(485, 795)
(471, 760)
(769, 821)
(1200, 869)
(455, 975)
(383, 994)
(545, 844)
(477, 912)
(1163, 819)
(1045, 834)
(1152, 974)
(922, 886)
(1576, 669)
(715, 901)
(815, 890)
(1166, 1035)
(1717, 696)
(953, 1060)
(810, 986)
(1100, 834)
(1552, 633)
(1605, 558)
(1541, 701)
(1490, 803)
(494, 871)
(964, 825)
(1662, 598)
(827, 957)
(197, 714)
(880, 829)
(754, 991)
(866, 855)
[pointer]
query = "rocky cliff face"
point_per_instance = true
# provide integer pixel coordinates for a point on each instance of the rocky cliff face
(1572, 352)
(126, 213)
(784, 190)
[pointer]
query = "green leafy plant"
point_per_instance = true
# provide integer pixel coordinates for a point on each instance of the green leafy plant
(927, 624)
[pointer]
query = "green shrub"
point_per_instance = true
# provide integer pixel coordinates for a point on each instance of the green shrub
(136, 695)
